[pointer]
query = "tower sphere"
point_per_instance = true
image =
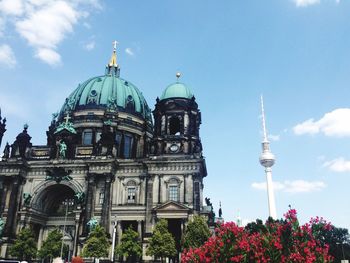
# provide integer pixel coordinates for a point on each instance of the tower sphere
(267, 159)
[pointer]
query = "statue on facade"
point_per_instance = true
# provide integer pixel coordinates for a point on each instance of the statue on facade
(220, 211)
(58, 174)
(62, 149)
(6, 151)
(92, 223)
(22, 143)
(207, 201)
(2, 127)
(79, 197)
(211, 213)
(2, 226)
(112, 104)
(106, 142)
(26, 199)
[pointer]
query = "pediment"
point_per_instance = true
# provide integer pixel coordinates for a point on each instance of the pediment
(171, 206)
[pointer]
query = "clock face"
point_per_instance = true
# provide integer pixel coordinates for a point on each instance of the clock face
(174, 148)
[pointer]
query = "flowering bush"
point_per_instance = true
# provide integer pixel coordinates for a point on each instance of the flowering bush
(274, 241)
(77, 260)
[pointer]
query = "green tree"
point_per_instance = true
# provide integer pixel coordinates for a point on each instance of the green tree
(130, 246)
(97, 244)
(162, 243)
(337, 239)
(51, 247)
(24, 247)
(197, 233)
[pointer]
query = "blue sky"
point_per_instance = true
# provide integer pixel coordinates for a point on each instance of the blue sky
(294, 52)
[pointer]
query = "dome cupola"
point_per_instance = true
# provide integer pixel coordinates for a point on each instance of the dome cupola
(104, 115)
(177, 90)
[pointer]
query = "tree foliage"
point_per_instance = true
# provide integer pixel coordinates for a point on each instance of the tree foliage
(162, 243)
(24, 247)
(130, 246)
(51, 247)
(97, 244)
(197, 232)
(336, 238)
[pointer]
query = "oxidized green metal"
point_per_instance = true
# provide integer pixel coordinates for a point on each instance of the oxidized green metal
(177, 90)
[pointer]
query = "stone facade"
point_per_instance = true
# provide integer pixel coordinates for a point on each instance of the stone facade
(105, 161)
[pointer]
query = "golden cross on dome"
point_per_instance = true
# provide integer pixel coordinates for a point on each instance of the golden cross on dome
(115, 43)
(113, 60)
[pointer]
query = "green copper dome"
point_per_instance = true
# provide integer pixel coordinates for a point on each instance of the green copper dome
(177, 90)
(108, 91)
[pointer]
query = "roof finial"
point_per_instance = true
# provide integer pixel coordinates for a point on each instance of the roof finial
(178, 75)
(113, 60)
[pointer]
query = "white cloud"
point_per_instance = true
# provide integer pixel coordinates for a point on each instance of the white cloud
(338, 165)
(335, 123)
(274, 137)
(12, 7)
(129, 51)
(7, 57)
(303, 3)
(296, 186)
(44, 24)
(90, 45)
(49, 56)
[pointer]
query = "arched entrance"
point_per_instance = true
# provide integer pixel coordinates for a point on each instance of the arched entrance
(53, 207)
(51, 201)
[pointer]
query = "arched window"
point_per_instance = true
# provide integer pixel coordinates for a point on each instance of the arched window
(131, 192)
(130, 104)
(174, 125)
(118, 142)
(87, 137)
(128, 141)
(173, 190)
(101, 197)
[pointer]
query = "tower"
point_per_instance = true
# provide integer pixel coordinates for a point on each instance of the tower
(267, 159)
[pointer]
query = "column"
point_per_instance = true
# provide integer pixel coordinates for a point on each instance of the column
(4, 196)
(189, 186)
(185, 178)
(11, 212)
(163, 126)
(106, 202)
(2, 193)
(139, 229)
(119, 231)
(186, 123)
(160, 179)
(149, 204)
(89, 201)
(76, 233)
(40, 238)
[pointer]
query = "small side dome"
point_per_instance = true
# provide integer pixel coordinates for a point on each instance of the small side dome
(177, 90)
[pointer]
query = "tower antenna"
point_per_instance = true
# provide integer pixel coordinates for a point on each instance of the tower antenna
(263, 119)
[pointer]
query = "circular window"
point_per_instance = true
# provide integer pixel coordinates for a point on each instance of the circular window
(93, 93)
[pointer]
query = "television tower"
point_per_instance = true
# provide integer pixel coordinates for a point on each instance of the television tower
(267, 159)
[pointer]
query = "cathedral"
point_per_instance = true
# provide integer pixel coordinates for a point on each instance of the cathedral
(108, 161)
